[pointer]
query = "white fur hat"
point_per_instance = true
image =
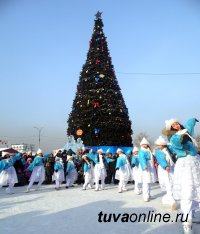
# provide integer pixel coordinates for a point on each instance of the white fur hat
(135, 149)
(100, 150)
(160, 141)
(5, 153)
(168, 123)
(119, 150)
(39, 151)
(144, 141)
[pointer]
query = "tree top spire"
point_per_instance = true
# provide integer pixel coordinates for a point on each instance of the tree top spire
(98, 15)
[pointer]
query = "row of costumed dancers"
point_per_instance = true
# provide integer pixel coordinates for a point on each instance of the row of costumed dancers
(178, 169)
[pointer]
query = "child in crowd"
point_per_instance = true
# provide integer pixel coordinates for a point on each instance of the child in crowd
(71, 172)
(165, 171)
(146, 170)
(135, 165)
(58, 175)
(122, 171)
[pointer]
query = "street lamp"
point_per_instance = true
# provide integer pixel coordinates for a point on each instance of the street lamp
(39, 131)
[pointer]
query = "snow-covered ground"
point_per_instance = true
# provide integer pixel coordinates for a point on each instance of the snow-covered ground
(75, 211)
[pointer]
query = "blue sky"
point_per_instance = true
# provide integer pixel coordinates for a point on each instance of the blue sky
(43, 45)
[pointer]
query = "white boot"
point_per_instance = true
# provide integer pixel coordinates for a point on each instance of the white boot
(120, 191)
(9, 191)
(27, 190)
(138, 191)
(187, 228)
(146, 199)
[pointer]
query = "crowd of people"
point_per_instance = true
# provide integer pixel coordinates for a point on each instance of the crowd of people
(175, 164)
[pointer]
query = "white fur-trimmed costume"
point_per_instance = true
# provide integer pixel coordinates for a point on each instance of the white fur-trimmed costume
(146, 170)
(186, 186)
(100, 171)
(165, 177)
(58, 175)
(71, 172)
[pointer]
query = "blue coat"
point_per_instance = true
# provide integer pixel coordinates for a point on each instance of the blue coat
(70, 166)
(180, 149)
(144, 156)
(135, 161)
(58, 166)
(4, 164)
(161, 158)
(38, 161)
(121, 161)
(86, 167)
(93, 157)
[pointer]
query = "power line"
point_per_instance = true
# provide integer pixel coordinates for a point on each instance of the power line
(160, 74)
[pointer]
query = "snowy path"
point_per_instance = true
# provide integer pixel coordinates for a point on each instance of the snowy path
(74, 211)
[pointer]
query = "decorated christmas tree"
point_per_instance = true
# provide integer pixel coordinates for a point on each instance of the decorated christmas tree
(99, 114)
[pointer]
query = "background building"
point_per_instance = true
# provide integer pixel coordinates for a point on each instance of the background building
(23, 147)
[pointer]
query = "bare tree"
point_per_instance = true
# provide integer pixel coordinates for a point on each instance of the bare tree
(137, 139)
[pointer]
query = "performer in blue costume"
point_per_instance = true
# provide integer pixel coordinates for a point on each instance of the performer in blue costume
(146, 170)
(135, 165)
(8, 174)
(122, 171)
(165, 171)
(186, 186)
(88, 169)
(38, 171)
(71, 172)
(58, 174)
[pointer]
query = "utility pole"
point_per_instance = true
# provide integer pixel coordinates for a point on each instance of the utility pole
(39, 132)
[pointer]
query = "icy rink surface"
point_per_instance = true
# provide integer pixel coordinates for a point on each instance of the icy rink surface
(74, 211)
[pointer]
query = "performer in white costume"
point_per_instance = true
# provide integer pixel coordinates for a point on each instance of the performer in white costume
(146, 170)
(135, 166)
(58, 175)
(8, 174)
(186, 186)
(71, 172)
(88, 172)
(37, 168)
(100, 170)
(122, 171)
(165, 171)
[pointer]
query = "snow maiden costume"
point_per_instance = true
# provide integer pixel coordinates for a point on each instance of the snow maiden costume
(146, 170)
(37, 168)
(7, 171)
(186, 187)
(99, 168)
(122, 171)
(135, 166)
(58, 174)
(165, 171)
(88, 172)
(71, 172)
